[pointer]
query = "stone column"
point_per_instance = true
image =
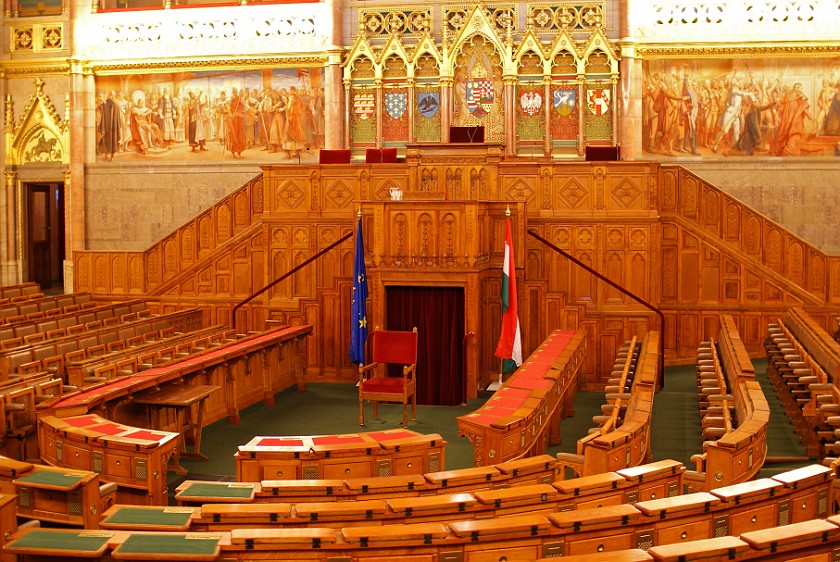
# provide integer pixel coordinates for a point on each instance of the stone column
(510, 115)
(581, 114)
(333, 103)
(629, 101)
(445, 107)
(547, 106)
(11, 273)
(82, 133)
(334, 122)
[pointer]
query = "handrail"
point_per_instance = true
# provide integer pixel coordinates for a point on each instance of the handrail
(285, 275)
(615, 285)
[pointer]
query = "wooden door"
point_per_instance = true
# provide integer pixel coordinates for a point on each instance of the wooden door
(45, 233)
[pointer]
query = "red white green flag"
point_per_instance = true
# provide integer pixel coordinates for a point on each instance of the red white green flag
(510, 341)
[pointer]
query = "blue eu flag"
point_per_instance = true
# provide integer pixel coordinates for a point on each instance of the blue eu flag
(359, 330)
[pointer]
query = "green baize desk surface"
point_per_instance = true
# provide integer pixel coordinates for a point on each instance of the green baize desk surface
(144, 517)
(170, 546)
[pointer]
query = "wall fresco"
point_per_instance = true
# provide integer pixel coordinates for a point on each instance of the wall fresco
(783, 107)
(272, 114)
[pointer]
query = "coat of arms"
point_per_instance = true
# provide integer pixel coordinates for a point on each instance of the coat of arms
(479, 92)
(531, 102)
(565, 101)
(598, 101)
(395, 103)
(428, 104)
(363, 104)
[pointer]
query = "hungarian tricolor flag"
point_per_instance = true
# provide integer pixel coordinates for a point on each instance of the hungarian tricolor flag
(510, 341)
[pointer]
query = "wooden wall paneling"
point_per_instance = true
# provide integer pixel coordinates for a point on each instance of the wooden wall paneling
(584, 288)
(711, 210)
(187, 241)
(242, 216)
(308, 367)
(669, 338)
(669, 264)
(815, 274)
(223, 218)
(627, 192)
(795, 261)
(205, 234)
(614, 269)
(333, 344)
(773, 247)
(688, 196)
(119, 273)
(222, 275)
(588, 377)
(256, 190)
(668, 194)
(153, 268)
(171, 255)
(572, 192)
(711, 278)
(709, 326)
(688, 332)
(533, 318)
(689, 269)
(834, 281)
(278, 252)
(752, 327)
(489, 328)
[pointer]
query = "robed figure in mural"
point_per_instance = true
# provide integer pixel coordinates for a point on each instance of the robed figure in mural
(790, 134)
(109, 127)
(235, 124)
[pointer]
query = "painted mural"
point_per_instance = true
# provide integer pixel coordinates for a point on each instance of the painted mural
(742, 107)
(273, 114)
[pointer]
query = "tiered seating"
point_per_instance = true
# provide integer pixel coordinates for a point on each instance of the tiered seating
(623, 437)
(803, 362)
(20, 291)
(30, 331)
(748, 509)
(518, 420)
(32, 309)
(733, 411)
(229, 365)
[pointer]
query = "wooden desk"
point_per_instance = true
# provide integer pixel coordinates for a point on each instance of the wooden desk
(179, 397)
(62, 496)
(148, 518)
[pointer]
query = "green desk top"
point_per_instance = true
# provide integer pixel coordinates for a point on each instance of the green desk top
(216, 490)
(180, 546)
(53, 479)
(93, 543)
(145, 517)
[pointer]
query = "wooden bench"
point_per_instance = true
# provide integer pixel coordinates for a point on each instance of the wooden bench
(523, 416)
(734, 413)
(623, 438)
(695, 526)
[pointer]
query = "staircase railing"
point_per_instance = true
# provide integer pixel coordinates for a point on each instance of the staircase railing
(660, 383)
(286, 275)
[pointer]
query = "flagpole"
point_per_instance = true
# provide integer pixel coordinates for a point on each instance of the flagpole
(493, 387)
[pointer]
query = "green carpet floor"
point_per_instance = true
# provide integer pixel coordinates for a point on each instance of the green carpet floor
(333, 408)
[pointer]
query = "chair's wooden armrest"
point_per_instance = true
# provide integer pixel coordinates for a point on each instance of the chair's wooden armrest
(366, 368)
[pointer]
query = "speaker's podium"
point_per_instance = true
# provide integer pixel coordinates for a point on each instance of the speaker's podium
(466, 134)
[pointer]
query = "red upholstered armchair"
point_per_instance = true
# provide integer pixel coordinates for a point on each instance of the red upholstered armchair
(394, 347)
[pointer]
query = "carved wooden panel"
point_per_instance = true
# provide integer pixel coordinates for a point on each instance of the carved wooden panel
(659, 231)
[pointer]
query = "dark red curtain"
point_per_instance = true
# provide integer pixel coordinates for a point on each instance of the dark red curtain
(438, 314)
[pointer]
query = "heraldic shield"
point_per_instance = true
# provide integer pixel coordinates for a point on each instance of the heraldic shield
(428, 104)
(479, 92)
(598, 101)
(395, 104)
(565, 101)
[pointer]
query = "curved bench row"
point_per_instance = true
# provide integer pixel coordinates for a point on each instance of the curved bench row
(611, 446)
(734, 411)
(793, 497)
(523, 416)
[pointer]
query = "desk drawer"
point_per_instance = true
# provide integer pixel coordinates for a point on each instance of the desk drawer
(117, 466)
(607, 543)
(347, 470)
(73, 457)
(279, 471)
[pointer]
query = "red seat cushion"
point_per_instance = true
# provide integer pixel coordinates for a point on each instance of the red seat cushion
(384, 384)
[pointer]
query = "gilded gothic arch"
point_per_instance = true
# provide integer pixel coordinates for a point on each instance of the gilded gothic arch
(546, 88)
(40, 135)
